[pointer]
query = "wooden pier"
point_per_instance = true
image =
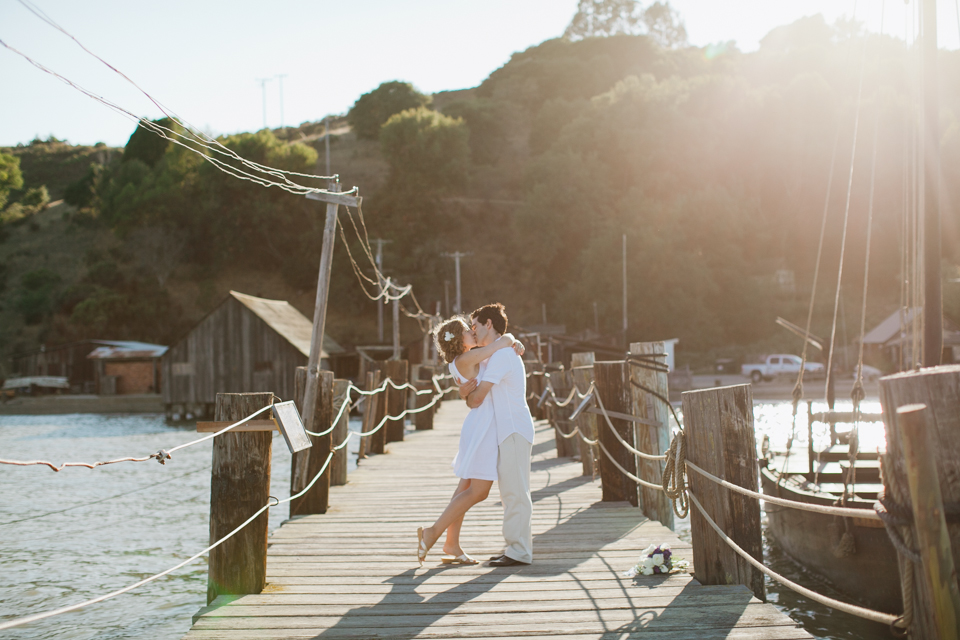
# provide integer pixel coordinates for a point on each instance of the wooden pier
(352, 572)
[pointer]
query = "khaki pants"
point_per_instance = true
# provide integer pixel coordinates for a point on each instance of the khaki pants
(513, 472)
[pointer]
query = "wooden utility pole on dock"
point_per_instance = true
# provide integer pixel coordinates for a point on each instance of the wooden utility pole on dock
(653, 435)
(720, 439)
(582, 365)
(938, 427)
(333, 199)
(369, 415)
(306, 464)
(613, 387)
(239, 486)
(379, 260)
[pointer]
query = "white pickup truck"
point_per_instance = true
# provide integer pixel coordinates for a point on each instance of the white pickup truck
(779, 364)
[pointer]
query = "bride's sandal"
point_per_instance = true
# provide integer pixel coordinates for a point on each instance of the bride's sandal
(462, 559)
(421, 546)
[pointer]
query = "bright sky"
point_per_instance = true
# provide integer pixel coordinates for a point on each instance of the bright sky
(202, 59)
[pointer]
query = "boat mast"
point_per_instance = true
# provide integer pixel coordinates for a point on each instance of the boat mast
(932, 301)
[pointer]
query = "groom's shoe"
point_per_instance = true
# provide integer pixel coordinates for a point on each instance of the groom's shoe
(506, 561)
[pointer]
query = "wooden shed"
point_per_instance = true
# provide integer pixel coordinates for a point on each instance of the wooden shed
(246, 344)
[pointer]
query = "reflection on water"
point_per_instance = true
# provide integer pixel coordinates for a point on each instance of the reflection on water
(70, 536)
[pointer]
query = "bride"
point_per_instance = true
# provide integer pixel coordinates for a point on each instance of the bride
(476, 460)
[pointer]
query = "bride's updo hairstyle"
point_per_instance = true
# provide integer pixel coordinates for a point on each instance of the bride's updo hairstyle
(449, 338)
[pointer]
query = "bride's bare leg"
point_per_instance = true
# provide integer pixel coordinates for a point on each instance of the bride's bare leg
(476, 492)
(451, 545)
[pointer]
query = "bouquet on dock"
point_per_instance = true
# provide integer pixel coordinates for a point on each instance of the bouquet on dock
(657, 559)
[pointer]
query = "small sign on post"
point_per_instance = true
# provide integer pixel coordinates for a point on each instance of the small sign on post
(291, 426)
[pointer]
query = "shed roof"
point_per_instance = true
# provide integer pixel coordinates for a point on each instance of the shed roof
(890, 327)
(283, 317)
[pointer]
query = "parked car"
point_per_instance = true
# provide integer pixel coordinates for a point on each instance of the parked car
(869, 373)
(779, 364)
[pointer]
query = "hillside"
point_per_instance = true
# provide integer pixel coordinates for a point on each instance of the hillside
(714, 163)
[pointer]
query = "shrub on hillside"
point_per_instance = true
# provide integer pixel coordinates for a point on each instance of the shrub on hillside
(35, 299)
(426, 150)
(10, 176)
(373, 109)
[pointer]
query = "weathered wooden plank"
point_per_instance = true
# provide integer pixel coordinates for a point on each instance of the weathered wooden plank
(613, 388)
(652, 437)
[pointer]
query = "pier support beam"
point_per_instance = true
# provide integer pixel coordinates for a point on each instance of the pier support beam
(306, 464)
(718, 428)
(651, 438)
(582, 370)
(338, 466)
(613, 387)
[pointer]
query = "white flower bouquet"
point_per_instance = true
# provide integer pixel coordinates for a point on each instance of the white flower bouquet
(657, 559)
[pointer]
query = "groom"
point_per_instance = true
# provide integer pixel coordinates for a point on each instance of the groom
(506, 383)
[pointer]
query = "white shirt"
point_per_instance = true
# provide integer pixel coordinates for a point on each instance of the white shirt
(509, 395)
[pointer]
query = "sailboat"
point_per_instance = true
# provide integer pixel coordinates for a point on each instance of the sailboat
(855, 554)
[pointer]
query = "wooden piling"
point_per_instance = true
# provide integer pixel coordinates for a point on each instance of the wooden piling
(933, 540)
(652, 437)
(582, 372)
(376, 410)
(338, 466)
(939, 389)
(306, 464)
(423, 420)
(561, 384)
(719, 433)
(396, 403)
(239, 486)
(613, 386)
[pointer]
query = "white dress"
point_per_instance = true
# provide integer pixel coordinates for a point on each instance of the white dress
(477, 456)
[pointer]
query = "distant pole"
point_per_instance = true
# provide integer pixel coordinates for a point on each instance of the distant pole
(446, 297)
(543, 309)
(624, 288)
(280, 77)
(596, 317)
(932, 301)
(380, 242)
(456, 257)
(326, 140)
(263, 89)
(396, 328)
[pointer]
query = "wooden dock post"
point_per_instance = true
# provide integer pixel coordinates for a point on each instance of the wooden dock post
(613, 386)
(396, 400)
(720, 439)
(424, 419)
(338, 466)
(933, 540)
(651, 438)
(376, 410)
(306, 464)
(239, 486)
(369, 408)
(561, 383)
(939, 389)
(582, 371)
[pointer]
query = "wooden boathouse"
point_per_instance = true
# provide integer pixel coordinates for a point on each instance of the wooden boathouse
(245, 344)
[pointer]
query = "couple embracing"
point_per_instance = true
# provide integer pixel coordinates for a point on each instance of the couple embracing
(496, 439)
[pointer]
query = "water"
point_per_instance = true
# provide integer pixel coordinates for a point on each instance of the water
(150, 518)
(122, 523)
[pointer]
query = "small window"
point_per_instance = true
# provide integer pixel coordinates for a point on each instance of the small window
(774, 360)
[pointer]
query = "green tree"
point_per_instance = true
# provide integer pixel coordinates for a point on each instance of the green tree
(373, 109)
(35, 298)
(426, 150)
(597, 18)
(10, 176)
(146, 145)
(82, 193)
(664, 25)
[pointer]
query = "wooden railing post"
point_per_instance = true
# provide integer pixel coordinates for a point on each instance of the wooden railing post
(338, 466)
(399, 372)
(306, 464)
(613, 386)
(582, 370)
(424, 419)
(561, 383)
(378, 441)
(720, 439)
(239, 486)
(369, 411)
(651, 438)
(939, 389)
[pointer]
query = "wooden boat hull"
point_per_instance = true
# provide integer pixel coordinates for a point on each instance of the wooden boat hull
(870, 575)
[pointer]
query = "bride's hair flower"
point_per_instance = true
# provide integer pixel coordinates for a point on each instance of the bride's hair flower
(448, 336)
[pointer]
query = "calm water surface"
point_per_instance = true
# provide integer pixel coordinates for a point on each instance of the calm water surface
(69, 536)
